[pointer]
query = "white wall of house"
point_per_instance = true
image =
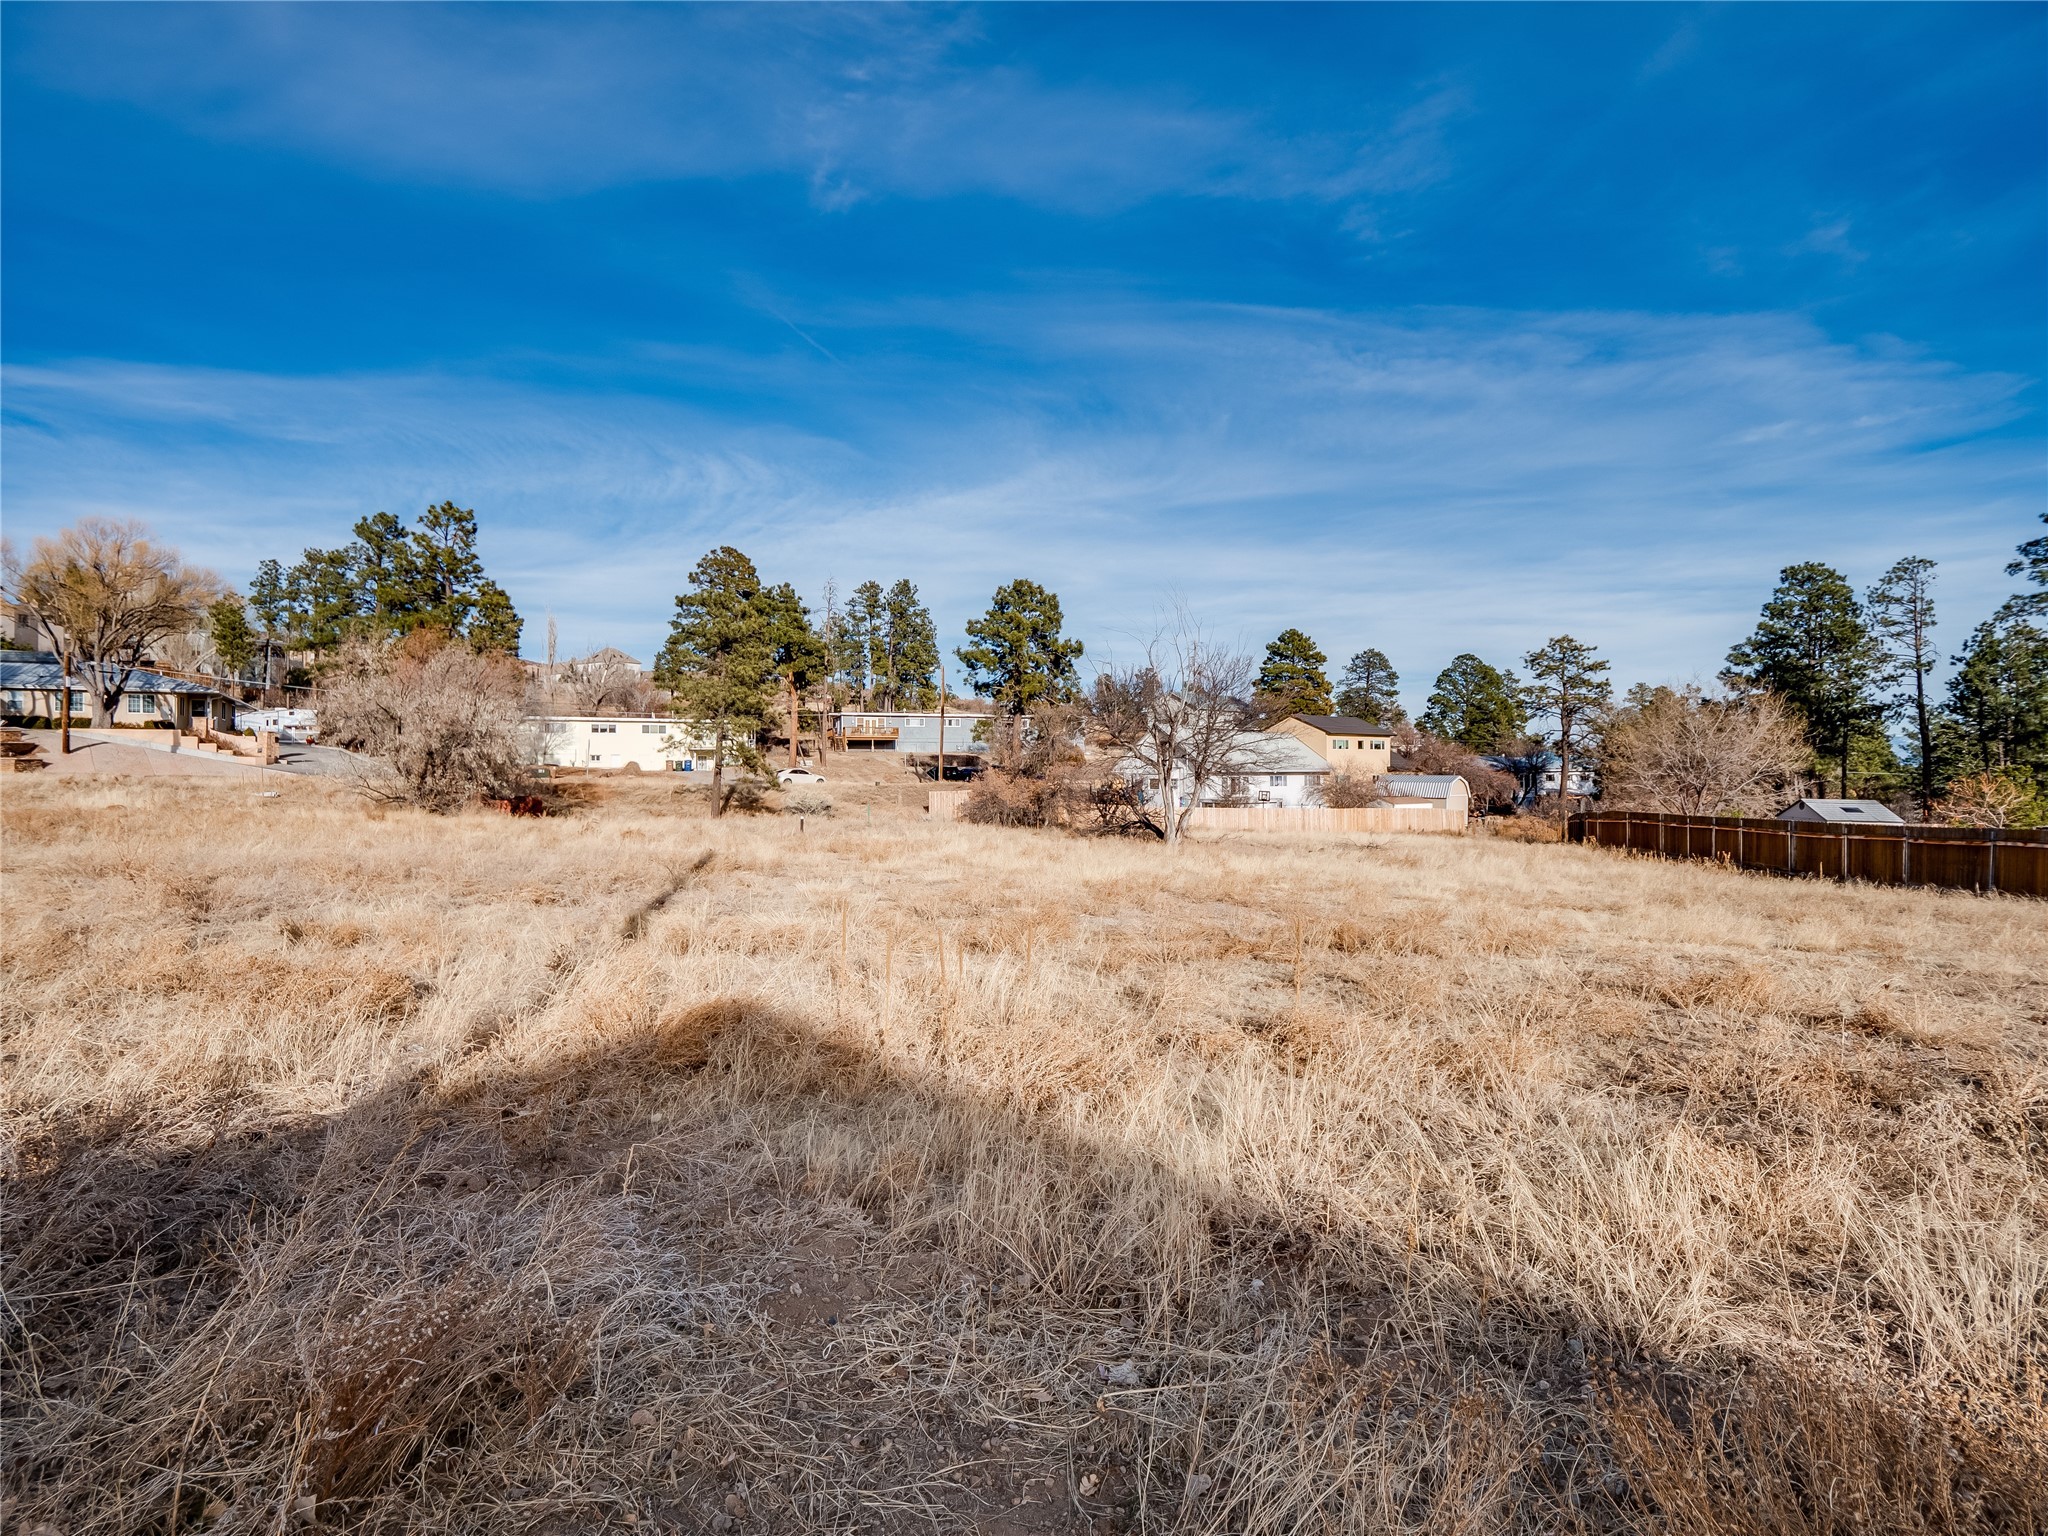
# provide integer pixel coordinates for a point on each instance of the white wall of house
(1280, 771)
(651, 743)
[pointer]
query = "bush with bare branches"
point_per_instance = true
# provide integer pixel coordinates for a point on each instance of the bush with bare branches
(1422, 752)
(1689, 752)
(436, 725)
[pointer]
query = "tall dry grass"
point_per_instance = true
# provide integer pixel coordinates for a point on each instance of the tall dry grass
(478, 1175)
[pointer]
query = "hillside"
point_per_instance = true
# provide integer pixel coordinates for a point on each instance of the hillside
(631, 1170)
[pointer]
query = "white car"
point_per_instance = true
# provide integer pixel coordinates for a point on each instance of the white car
(799, 776)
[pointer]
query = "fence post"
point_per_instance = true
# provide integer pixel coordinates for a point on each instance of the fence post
(1906, 857)
(1991, 860)
(1791, 847)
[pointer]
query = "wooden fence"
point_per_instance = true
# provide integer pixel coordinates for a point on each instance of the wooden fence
(1964, 858)
(948, 804)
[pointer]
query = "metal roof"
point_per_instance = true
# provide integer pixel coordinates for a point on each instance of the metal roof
(1423, 786)
(1865, 811)
(43, 674)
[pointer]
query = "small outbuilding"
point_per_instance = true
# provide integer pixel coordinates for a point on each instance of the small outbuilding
(1847, 813)
(1446, 792)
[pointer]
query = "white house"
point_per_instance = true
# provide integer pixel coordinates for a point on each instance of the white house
(647, 743)
(1272, 768)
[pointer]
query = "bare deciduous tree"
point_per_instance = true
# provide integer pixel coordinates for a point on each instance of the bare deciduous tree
(2002, 797)
(107, 594)
(440, 724)
(1183, 718)
(1690, 752)
(606, 685)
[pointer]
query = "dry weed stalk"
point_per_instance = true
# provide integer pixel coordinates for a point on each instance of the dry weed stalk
(473, 1175)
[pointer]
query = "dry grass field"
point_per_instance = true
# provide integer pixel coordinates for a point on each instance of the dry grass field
(627, 1170)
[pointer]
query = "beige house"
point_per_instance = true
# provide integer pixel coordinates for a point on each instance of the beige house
(1347, 744)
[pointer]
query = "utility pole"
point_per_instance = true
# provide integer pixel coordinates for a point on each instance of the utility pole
(793, 722)
(942, 722)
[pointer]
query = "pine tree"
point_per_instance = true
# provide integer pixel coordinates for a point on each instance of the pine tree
(910, 649)
(862, 652)
(233, 641)
(1019, 657)
(2032, 564)
(1813, 649)
(391, 581)
(494, 625)
(801, 657)
(1292, 680)
(1901, 608)
(719, 663)
(1568, 683)
(1998, 698)
(1476, 705)
(447, 575)
(1367, 689)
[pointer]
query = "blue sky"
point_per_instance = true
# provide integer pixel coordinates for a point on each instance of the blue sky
(1429, 328)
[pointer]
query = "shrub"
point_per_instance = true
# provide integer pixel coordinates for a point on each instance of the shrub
(1351, 791)
(1013, 800)
(436, 724)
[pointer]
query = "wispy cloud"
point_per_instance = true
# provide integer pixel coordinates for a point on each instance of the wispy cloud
(1828, 237)
(857, 101)
(1430, 483)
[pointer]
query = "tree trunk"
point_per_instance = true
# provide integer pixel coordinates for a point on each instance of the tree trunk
(1564, 773)
(1845, 766)
(795, 717)
(1926, 766)
(64, 708)
(718, 771)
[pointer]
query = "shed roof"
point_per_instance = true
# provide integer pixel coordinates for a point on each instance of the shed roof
(1847, 811)
(1341, 725)
(1423, 786)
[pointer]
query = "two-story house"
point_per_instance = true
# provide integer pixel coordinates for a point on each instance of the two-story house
(1346, 743)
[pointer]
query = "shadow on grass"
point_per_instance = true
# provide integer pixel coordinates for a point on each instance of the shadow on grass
(436, 1307)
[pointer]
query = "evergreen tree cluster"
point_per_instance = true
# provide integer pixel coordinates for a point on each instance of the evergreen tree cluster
(885, 648)
(392, 580)
(1853, 667)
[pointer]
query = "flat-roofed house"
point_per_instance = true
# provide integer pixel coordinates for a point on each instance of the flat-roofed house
(643, 743)
(1346, 743)
(909, 730)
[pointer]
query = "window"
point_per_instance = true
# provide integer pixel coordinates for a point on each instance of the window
(134, 703)
(1277, 780)
(1379, 746)
(653, 728)
(1341, 744)
(604, 730)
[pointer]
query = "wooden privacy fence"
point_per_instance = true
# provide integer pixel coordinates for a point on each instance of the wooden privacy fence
(949, 805)
(1963, 858)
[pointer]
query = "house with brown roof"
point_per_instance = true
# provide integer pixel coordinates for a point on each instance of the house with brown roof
(1346, 743)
